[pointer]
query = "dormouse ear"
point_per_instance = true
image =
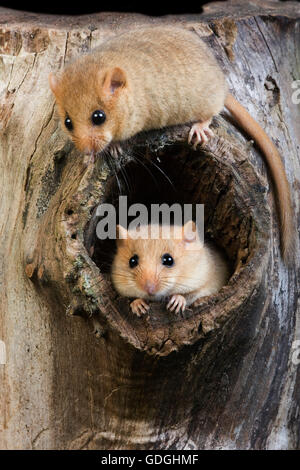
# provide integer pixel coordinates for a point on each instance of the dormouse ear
(122, 234)
(54, 83)
(190, 231)
(114, 80)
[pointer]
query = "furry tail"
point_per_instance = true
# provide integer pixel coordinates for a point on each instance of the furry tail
(253, 129)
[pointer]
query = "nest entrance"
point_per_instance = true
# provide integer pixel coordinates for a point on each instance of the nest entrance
(180, 175)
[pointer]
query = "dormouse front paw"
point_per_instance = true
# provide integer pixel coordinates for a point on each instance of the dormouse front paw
(139, 306)
(177, 303)
(115, 150)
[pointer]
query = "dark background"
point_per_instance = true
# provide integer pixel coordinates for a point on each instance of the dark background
(80, 7)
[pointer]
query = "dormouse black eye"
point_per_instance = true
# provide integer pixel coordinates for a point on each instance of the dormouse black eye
(134, 261)
(98, 117)
(167, 260)
(68, 123)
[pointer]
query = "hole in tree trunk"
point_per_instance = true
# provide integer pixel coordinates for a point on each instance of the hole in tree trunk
(181, 175)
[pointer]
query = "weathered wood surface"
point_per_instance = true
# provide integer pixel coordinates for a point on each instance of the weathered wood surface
(158, 382)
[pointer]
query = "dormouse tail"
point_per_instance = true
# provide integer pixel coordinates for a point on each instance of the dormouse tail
(253, 129)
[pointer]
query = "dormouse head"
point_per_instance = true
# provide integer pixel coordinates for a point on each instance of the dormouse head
(154, 268)
(88, 99)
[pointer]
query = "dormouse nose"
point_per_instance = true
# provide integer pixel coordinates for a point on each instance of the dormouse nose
(150, 287)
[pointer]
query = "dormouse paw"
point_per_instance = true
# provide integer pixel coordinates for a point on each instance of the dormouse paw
(177, 303)
(115, 150)
(139, 306)
(200, 133)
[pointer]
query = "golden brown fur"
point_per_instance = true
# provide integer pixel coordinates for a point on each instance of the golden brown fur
(153, 94)
(152, 77)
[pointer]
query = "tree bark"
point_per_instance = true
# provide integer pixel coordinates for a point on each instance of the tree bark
(81, 371)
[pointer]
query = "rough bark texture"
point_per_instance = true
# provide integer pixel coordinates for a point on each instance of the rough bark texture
(220, 376)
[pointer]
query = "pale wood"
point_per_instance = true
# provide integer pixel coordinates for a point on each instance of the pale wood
(222, 376)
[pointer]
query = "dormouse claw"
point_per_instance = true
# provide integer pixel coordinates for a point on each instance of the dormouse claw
(139, 307)
(115, 150)
(177, 303)
(200, 133)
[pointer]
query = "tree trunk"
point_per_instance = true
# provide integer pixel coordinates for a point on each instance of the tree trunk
(81, 371)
